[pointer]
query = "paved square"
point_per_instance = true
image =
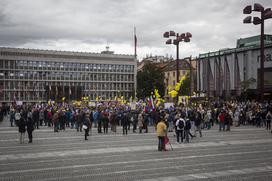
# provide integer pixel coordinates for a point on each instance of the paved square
(245, 153)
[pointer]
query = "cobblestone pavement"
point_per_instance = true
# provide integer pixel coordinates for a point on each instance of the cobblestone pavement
(245, 153)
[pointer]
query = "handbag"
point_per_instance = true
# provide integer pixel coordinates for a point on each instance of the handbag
(84, 126)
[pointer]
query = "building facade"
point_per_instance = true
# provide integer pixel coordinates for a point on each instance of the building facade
(30, 75)
(186, 67)
(231, 72)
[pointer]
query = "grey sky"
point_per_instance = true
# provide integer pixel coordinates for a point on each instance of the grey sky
(89, 25)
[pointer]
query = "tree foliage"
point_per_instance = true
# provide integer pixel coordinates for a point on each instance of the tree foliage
(185, 86)
(149, 79)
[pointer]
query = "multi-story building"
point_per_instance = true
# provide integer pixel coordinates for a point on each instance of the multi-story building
(229, 72)
(186, 67)
(31, 75)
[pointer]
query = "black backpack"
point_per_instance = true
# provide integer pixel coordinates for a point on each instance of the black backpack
(188, 125)
(181, 124)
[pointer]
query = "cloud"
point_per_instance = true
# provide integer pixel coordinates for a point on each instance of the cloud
(89, 25)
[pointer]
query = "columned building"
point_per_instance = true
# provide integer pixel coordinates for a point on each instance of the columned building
(230, 72)
(31, 75)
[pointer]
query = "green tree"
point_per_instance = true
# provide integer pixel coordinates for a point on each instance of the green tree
(149, 79)
(185, 86)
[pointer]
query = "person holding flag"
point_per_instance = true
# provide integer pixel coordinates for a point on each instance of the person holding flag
(161, 133)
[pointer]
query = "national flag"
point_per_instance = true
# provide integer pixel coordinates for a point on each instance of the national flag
(135, 43)
(56, 90)
(151, 102)
(70, 91)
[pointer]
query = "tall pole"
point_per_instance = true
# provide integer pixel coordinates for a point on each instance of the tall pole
(262, 58)
(191, 77)
(177, 65)
(177, 59)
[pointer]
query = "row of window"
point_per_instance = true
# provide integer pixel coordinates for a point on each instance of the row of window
(64, 66)
(44, 96)
(39, 86)
(65, 76)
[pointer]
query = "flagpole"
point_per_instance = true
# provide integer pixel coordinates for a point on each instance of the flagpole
(135, 43)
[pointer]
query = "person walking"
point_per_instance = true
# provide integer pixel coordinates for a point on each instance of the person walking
(161, 133)
(22, 129)
(30, 129)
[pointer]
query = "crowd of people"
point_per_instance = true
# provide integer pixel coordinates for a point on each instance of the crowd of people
(185, 120)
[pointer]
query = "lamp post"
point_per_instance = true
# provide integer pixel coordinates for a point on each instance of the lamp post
(265, 14)
(176, 40)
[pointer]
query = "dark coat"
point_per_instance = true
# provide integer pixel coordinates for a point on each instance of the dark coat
(30, 125)
(22, 125)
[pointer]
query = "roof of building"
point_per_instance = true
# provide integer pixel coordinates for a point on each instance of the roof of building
(172, 65)
(249, 44)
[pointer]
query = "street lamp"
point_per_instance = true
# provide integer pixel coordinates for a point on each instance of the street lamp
(265, 14)
(178, 38)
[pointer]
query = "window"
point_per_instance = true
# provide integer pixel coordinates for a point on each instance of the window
(174, 74)
(174, 82)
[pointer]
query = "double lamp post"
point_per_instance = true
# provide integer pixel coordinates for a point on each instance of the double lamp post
(266, 13)
(176, 40)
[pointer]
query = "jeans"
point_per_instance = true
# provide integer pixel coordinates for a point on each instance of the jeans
(221, 126)
(30, 136)
(268, 124)
(125, 129)
(86, 133)
(179, 135)
(198, 128)
(186, 135)
(22, 138)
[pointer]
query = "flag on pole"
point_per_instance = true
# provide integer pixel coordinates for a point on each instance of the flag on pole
(70, 91)
(135, 43)
(56, 90)
(151, 102)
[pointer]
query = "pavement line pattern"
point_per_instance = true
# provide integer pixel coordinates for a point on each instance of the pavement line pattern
(123, 149)
(133, 162)
(211, 175)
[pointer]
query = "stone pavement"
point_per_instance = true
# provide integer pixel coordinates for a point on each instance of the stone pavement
(245, 153)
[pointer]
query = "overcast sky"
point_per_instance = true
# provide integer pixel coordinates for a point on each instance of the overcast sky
(90, 25)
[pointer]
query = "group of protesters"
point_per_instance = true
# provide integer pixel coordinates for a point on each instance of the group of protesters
(185, 120)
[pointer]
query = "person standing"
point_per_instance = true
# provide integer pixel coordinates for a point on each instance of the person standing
(161, 133)
(221, 118)
(12, 117)
(187, 130)
(30, 129)
(141, 121)
(125, 122)
(180, 124)
(17, 117)
(105, 122)
(198, 122)
(35, 116)
(268, 120)
(86, 124)
(22, 129)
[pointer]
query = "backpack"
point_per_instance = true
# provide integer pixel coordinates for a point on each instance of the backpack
(181, 124)
(188, 125)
